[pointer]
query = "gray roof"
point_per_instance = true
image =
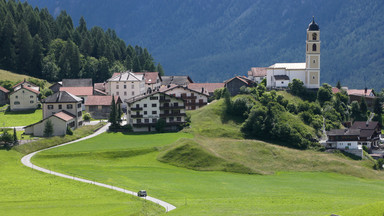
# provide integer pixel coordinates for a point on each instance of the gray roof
(126, 76)
(341, 132)
(77, 82)
(62, 97)
(177, 80)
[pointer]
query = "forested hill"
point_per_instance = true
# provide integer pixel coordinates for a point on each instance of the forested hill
(212, 40)
(34, 43)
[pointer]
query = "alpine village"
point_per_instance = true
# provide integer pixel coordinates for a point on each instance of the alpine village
(92, 126)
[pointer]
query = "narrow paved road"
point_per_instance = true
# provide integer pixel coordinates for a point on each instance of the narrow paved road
(26, 160)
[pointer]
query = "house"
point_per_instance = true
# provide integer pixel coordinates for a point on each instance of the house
(60, 121)
(206, 87)
(127, 85)
(152, 81)
(369, 133)
(63, 101)
(56, 87)
(279, 75)
(343, 139)
(192, 99)
(100, 106)
(3, 96)
(257, 74)
(176, 80)
(234, 84)
(144, 112)
(26, 84)
(82, 92)
(24, 98)
(99, 86)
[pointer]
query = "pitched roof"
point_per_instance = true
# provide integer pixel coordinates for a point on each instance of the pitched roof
(243, 79)
(101, 100)
(99, 86)
(177, 80)
(62, 97)
(209, 87)
(360, 92)
(335, 90)
(289, 66)
(150, 77)
(258, 72)
(98, 92)
(27, 88)
(4, 89)
(78, 91)
(341, 132)
(364, 125)
(23, 83)
(76, 82)
(64, 115)
(163, 89)
(126, 76)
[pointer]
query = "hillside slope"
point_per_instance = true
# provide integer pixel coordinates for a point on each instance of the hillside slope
(217, 39)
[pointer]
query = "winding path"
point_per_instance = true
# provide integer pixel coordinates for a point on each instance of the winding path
(26, 160)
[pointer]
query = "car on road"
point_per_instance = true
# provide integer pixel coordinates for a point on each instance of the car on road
(142, 193)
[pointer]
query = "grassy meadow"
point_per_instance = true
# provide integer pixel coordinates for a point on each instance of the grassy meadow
(20, 118)
(25, 191)
(13, 77)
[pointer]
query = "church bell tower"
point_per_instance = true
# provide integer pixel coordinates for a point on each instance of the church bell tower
(313, 55)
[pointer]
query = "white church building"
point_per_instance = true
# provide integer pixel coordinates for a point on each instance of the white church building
(280, 75)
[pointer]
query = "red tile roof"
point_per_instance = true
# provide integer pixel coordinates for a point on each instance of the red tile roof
(4, 89)
(210, 87)
(150, 77)
(78, 91)
(359, 92)
(23, 83)
(30, 89)
(335, 90)
(99, 86)
(101, 100)
(66, 116)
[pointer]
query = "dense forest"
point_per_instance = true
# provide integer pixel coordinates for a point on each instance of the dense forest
(213, 40)
(35, 43)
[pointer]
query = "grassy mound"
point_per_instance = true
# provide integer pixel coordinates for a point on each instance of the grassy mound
(188, 153)
(13, 77)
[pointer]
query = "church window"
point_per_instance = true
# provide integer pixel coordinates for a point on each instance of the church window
(314, 61)
(313, 77)
(314, 36)
(314, 47)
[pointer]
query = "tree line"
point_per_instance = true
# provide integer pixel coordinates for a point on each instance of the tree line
(35, 43)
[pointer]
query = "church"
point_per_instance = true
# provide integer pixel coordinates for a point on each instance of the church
(280, 75)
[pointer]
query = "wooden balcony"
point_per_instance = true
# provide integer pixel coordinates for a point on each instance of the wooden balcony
(172, 114)
(136, 108)
(171, 107)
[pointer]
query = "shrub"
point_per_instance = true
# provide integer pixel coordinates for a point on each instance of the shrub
(292, 108)
(48, 128)
(160, 125)
(69, 131)
(87, 116)
(127, 128)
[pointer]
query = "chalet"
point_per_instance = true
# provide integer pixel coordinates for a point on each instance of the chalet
(234, 84)
(127, 85)
(100, 106)
(24, 98)
(152, 81)
(82, 92)
(63, 101)
(144, 112)
(257, 74)
(176, 80)
(3, 96)
(192, 99)
(369, 133)
(206, 88)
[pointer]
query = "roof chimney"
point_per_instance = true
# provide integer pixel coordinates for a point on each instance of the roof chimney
(365, 91)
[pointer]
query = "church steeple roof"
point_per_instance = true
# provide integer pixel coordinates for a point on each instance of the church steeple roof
(313, 26)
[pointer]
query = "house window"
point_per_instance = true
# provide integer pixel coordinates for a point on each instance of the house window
(179, 119)
(138, 121)
(125, 93)
(314, 61)
(17, 97)
(146, 120)
(31, 96)
(171, 119)
(31, 101)
(175, 104)
(117, 86)
(154, 120)
(145, 112)
(154, 105)
(125, 86)
(154, 112)
(133, 93)
(313, 77)
(60, 106)
(69, 106)
(314, 47)
(153, 98)
(117, 93)
(349, 144)
(79, 114)
(50, 107)
(145, 105)
(16, 102)
(78, 105)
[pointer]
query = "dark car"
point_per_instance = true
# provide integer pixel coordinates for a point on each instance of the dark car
(142, 193)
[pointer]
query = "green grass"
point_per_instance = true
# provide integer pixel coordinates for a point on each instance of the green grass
(210, 192)
(14, 77)
(374, 209)
(25, 191)
(20, 118)
(48, 142)
(291, 98)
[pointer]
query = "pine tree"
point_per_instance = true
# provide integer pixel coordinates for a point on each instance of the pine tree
(37, 57)
(7, 52)
(338, 85)
(113, 114)
(15, 140)
(48, 128)
(136, 64)
(160, 69)
(24, 50)
(363, 107)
